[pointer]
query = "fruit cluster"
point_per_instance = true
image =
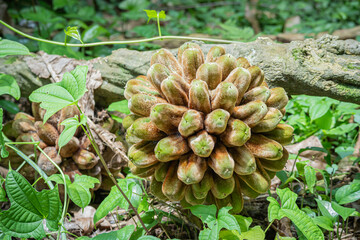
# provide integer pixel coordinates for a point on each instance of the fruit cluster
(76, 157)
(206, 129)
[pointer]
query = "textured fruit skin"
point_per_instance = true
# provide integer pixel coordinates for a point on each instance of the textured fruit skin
(206, 129)
(85, 159)
(45, 164)
(47, 132)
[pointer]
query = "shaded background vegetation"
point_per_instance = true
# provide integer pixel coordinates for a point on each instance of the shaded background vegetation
(100, 20)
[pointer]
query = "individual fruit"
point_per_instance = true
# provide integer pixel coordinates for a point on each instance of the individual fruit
(206, 129)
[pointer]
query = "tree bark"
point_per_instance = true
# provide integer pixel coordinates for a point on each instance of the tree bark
(322, 67)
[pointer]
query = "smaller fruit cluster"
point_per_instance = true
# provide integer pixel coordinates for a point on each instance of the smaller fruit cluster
(76, 157)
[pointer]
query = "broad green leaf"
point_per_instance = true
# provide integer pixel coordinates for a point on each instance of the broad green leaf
(326, 209)
(287, 198)
(300, 166)
(289, 209)
(8, 85)
(79, 190)
(226, 220)
(9, 106)
(3, 152)
(273, 209)
(304, 224)
(4, 237)
(120, 106)
(29, 208)
(255, 233)
(93, 32)
(144, 205)
(207, 213)
(148, 238)
(206, 235)
(310, 177)
(341, 130)
(319, 109)
(324, 222)
(348, 193)
(53, 97)
(344, 212)
(344, 151)
(57, 178)
(8, 47)
(122, 234)
(71, 124)
(75, 81)
(114, 199)
(244, 222)
(229, 235)
(73, 32)
(326, 121)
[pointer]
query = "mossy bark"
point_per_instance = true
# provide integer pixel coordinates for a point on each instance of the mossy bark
(322, 67)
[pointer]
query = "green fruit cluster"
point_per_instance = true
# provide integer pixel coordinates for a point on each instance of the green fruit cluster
(206, 129)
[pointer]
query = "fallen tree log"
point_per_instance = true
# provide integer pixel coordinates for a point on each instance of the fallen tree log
(322, 67)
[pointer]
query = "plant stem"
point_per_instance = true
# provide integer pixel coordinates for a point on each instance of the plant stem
(268, 226)
(96, 148)
(115, 42)
(30, 162)
(62, 219)
(158, 23)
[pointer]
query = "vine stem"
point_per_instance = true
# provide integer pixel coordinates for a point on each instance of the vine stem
(96, 148)
(65, 191)
(116, 42)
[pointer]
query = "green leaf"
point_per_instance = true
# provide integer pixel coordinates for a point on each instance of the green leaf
(207, 213)
(310, 177)
(153, 14)
(344, 212)
(29, 208)
(3, 152)
(348, 193)
(341, 130)
(226, 220)
(8, 85)
(289, 209)
(148, 238)
(73, 32)
(71, 124)
(324, 222)
(79, 190)
(273, 209)
(244, 222)
(326, 121)
(53, 97)
(57, 178)
(9, 106)
(8, 48)
(255, 233)
(344, 151)
(122, 234)
(206, 234)
(300, 166)
(229, 235)
(120, 106)
(326, 209)
(319, 108)
(304, 223)
(114, 199)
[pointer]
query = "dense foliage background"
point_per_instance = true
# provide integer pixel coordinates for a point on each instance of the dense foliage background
(329, 172)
